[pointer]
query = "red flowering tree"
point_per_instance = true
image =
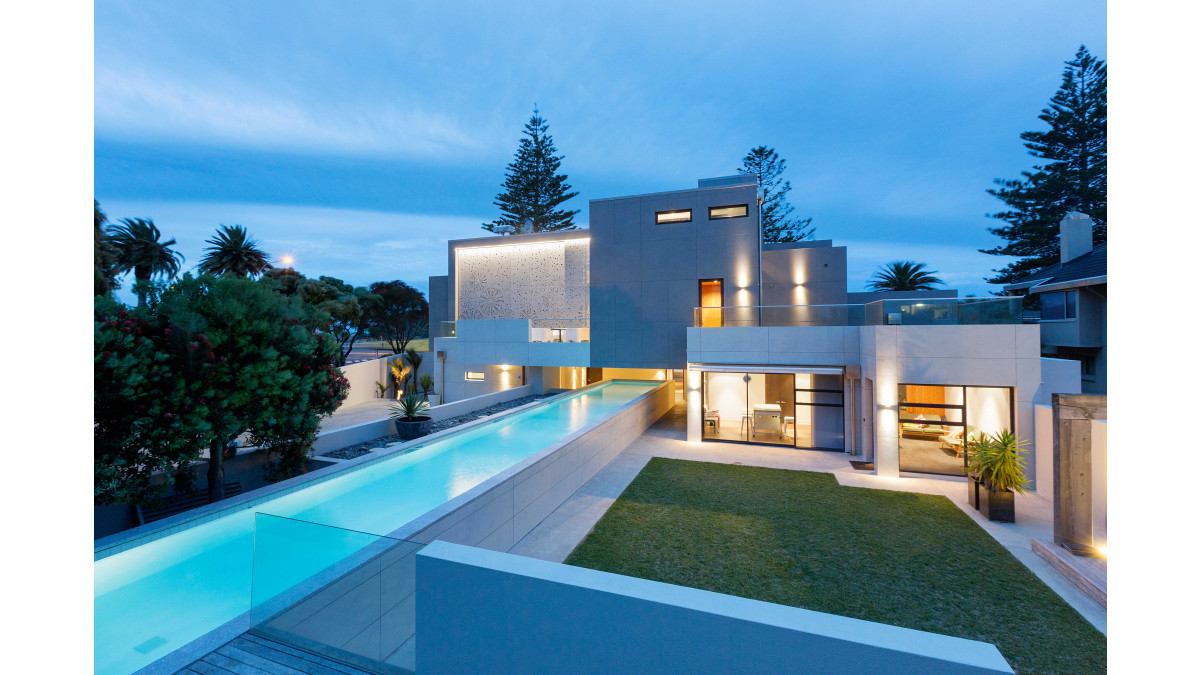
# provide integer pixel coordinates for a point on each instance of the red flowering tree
(150, 412)
(270, 376)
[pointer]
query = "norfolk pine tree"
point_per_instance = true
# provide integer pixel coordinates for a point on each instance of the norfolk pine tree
(533, 188)
(775, 212)
(1074, 177)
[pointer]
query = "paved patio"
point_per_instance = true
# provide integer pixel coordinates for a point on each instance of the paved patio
(563, 530)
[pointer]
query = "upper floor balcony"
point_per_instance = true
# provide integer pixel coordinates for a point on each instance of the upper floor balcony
(524, 342)
(915, 312)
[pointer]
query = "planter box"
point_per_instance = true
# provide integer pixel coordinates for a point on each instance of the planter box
(998, 506)
(973, 490)
(418, 427)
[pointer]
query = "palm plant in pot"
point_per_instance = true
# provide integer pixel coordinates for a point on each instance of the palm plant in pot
(410, 423)
(426, 383)
(975, 445)
(1000, 469)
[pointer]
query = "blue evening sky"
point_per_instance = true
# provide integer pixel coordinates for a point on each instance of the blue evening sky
(358, 137)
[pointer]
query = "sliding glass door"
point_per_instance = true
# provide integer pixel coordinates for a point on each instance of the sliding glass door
(793, 409)
(820, 412)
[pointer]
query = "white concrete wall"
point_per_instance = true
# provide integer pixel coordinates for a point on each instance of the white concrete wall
(986, 355)
(362, 377)
(484, 345)
(497, 513)
(785, 345)
(1100, 483)
(522, 615)
(1043, 450)
(1059, 376)
(335, 439)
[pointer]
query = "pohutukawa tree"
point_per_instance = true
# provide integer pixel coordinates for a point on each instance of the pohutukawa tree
(401, 315)
(904, 275)
(1072, 173)
(139, 249)
(149, 403)
(533, 188)
(778, 225)
(232, 251)
(271, 377)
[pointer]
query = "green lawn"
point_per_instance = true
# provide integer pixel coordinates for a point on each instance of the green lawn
(798, 538)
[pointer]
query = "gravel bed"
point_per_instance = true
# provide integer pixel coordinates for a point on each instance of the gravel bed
(366, 447)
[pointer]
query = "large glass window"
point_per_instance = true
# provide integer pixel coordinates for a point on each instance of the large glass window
(797, 410)
(937, 420)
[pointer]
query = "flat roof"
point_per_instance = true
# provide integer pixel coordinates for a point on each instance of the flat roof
(678, 192)
(515, 239)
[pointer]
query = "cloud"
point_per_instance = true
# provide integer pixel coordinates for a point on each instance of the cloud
(143, 104)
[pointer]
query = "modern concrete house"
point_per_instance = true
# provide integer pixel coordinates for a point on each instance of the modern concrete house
(1074, 300)
(770, 345)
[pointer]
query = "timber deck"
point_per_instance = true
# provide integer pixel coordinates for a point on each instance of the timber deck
(253, 655)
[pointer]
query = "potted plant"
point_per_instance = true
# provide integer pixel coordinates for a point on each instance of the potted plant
(974, 445)
(1001, 470)
(426, 383)
(410, 423)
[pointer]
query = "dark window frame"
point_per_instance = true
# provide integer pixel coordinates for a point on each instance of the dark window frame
(728, 206)
(672, 222)
(750, 441)
(1012, 407)
(1070, 305)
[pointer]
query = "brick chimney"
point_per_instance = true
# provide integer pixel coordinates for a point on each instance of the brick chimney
(1074, 235)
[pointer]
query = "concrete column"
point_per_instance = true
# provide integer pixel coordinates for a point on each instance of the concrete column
(886, 407)
(695, 406)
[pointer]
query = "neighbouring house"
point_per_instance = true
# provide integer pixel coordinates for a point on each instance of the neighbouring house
(1074, 302)
(765, 339)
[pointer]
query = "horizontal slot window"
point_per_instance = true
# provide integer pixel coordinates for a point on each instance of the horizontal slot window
(730, 211)
(475, 376)
(676, 216)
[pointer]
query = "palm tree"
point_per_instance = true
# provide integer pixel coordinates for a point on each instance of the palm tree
(234, 252)
(139, 249)
(904, 275)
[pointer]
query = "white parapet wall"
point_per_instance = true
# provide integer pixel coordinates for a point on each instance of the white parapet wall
(1043, 450)
(335, 439)
(362, 377)
(483, 611)
(497, 513)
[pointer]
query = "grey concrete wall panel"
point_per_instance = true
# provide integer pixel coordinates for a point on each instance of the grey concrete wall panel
(523, 615)
(645, 286)
(820, 271)
(439, 302)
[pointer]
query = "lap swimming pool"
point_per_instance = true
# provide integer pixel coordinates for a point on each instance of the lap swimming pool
(157, 597)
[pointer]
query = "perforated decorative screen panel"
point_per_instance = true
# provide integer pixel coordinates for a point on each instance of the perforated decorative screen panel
(546, 280)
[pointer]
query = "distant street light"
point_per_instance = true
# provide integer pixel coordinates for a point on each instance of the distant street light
(286, 260)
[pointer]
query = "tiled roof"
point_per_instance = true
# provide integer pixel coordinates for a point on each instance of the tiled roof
(1094, 263)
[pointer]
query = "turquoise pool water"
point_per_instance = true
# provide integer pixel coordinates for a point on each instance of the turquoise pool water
(161, 595)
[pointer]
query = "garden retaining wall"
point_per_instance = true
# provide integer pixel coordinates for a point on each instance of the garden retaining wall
(523, 615)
